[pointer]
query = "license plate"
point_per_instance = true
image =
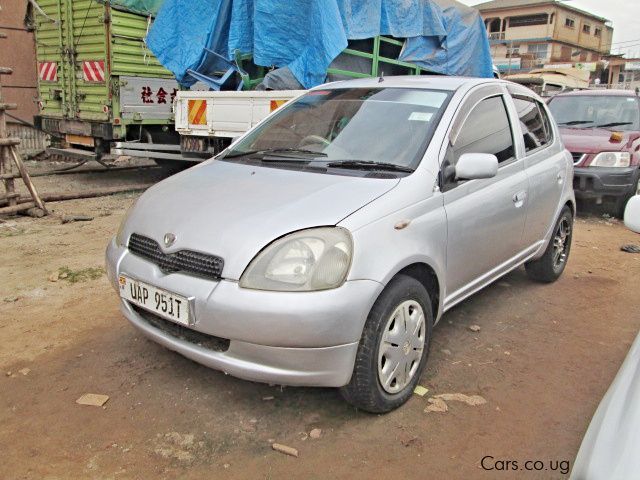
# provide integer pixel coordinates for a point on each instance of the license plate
(161, 302)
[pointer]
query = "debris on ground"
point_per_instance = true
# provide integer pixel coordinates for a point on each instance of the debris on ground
(315, 433)
(75, 276)
(11, 299)
(93, 399)
(436, 405)
(25, 371)
(630, 248)
(75, 218)
(471, 400)
(268, 398)
(474, 328)
(285, 449)
(420, 390)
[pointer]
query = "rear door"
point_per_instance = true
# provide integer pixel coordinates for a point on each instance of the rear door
(546, 162)
(88, 44)
(51, 54)
(485, 218)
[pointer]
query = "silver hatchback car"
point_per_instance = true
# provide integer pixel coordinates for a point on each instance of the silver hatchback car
(321, 247)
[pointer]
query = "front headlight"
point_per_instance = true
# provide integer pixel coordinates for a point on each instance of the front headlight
(304, 261)
(612, 159)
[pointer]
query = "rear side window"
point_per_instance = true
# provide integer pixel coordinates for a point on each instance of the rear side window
(486, 130)
(534, 122)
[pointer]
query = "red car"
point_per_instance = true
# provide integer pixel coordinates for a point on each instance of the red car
(601, 129)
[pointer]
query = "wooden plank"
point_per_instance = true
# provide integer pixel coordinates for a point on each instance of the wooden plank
(8, 142)
(8, 106)
(16, 208)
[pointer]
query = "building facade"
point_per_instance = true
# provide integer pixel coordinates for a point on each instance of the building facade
(527, 34)
(18, 52)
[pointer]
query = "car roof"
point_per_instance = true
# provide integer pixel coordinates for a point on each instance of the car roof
(598, 93)
(437, 82)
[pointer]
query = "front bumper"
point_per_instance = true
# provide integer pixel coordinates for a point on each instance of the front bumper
(306, 339)
(598, 182)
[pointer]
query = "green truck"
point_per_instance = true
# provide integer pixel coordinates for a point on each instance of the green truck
(97, 81)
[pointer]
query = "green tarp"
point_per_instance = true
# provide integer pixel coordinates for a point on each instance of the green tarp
(141, 7)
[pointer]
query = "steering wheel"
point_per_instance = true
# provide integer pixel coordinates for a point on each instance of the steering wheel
(314, 140)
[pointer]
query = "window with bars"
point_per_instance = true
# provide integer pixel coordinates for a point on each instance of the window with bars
(529, 20)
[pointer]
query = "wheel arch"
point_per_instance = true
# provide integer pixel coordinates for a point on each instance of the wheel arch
(427, 276)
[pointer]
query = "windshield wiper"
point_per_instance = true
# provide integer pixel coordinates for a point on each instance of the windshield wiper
(368, 165)
(614, 124)
(276, 151)
(576, 122)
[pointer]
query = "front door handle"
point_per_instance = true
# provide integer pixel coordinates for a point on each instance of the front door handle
(519, 198)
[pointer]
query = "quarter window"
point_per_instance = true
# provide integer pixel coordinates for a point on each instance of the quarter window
(486, 130)
(534, 122)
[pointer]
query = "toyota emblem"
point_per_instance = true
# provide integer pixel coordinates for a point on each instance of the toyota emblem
(169, 239)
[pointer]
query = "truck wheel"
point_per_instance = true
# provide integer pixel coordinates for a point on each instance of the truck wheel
(550, 266)
(393, 349)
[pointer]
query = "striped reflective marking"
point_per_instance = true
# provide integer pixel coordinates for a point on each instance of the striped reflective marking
(276, 104)
(197, 112)
(48, 71)
(93, 70)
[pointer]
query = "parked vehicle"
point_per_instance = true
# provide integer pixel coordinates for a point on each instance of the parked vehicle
(548, 82)
(322, 246)
(601, 129)
(611, 447)
(98, 83)
(209, 121)
(632, 214)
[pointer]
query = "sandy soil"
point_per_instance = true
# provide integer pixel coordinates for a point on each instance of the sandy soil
(543, 358)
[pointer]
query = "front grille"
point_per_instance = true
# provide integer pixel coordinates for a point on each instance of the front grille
(186, 261)
(577, 157)
(181, 332)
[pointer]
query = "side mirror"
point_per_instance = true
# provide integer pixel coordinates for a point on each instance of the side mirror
(474, 166)
(632, 214)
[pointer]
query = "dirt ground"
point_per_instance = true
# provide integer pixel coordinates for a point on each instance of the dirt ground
(543, 358)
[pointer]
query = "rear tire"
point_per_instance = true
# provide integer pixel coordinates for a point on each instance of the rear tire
(549, 267)
(386, 340)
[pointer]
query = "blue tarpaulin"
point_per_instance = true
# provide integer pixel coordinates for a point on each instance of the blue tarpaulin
(443, 36)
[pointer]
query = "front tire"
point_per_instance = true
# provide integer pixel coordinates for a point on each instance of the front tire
(394, 347)
(549, 267)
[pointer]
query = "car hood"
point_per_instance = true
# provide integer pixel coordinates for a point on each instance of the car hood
(233, 210)
(594, 140)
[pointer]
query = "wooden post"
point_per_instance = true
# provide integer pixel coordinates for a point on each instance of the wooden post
(7, 150)
(27, 181)
(5, 162)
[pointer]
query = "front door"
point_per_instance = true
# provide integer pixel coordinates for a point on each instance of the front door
(485, 218)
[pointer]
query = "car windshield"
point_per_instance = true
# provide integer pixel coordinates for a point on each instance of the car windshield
(596, 111)
(351, 128)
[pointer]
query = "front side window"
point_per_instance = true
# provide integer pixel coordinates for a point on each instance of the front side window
(534, 122)
(597, 111)
(486, 130)
(383, 125)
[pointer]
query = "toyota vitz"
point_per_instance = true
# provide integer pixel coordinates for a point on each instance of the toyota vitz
(321, 247)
